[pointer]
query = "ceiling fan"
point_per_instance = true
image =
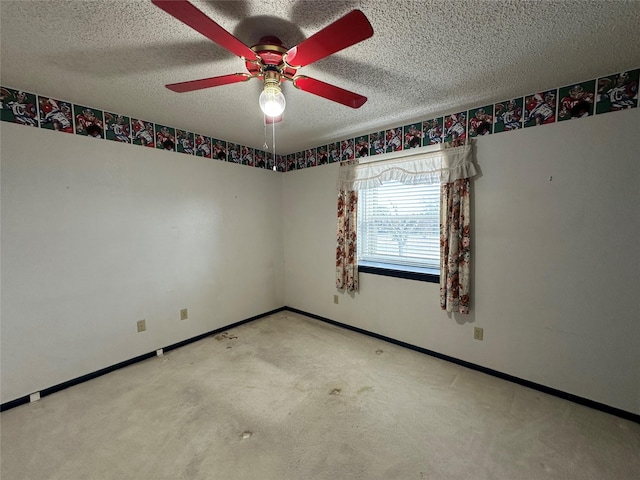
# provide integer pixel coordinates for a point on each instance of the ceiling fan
(272, 62)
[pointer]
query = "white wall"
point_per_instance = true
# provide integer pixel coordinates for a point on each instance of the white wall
(556, 264)
(97, 235)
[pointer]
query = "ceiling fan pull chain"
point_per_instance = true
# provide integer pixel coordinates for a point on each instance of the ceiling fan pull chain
(264, 124)
(273, 130)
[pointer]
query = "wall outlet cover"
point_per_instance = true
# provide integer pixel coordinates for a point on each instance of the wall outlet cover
(478, 333)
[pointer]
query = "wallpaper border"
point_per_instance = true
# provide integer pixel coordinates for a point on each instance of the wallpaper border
(608, 93)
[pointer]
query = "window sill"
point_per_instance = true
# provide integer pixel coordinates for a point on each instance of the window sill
(411, 273)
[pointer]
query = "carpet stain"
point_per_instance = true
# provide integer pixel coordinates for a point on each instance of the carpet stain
(379, 352)
(300, 388)
(224, 336)
(193, 468)
(335, 391)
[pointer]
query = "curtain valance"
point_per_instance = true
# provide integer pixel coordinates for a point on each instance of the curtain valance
(436, 167)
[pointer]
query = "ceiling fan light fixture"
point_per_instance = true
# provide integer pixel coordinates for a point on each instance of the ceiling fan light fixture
(271, 61)
(272, 101)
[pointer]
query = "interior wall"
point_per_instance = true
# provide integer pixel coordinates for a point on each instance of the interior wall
(555, 262)
(97, 235)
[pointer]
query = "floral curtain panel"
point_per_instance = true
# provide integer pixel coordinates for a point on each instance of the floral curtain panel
(451, 167)
(455, 246)
(346, 259)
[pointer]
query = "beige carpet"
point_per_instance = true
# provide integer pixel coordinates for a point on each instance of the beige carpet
(288, 397)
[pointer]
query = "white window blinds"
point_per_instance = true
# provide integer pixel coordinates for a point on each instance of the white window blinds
(400, 225)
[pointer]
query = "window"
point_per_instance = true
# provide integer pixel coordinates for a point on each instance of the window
(399, 230)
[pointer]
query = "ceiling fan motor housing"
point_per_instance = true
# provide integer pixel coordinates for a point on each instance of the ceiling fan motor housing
(270, 58)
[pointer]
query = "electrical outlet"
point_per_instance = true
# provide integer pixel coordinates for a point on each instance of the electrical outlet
(142, 325)
(335, 299)
(478, 333)
(183, 314)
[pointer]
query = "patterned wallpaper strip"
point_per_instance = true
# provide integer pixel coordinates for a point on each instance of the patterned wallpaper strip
(610, 93)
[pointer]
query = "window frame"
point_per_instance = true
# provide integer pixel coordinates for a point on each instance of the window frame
(384, 269)
(411, 272)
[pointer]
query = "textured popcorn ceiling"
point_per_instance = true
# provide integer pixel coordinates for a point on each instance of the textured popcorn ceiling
(426, 58)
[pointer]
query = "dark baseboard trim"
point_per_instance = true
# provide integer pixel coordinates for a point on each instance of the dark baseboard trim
(90, 376)
(14, 403)
(504, 376)
(218, 330)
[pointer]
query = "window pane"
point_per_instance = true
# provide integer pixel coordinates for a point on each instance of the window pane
(400, 224)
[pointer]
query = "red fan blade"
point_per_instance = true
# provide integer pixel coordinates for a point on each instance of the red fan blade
(330, 92)
(344, 32)
(191, 16)
(192, 85)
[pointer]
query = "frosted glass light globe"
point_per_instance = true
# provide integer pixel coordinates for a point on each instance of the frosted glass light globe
(272, 102)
